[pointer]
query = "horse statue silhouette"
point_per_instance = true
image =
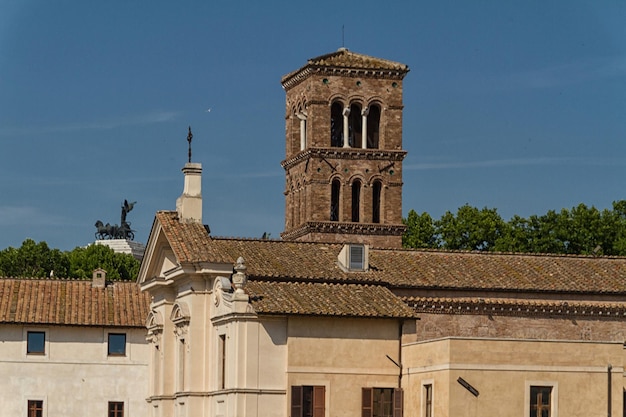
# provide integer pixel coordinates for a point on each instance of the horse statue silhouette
(108, 231)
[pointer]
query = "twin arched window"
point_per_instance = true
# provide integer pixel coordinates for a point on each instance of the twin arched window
(360, 125)
(335, 200)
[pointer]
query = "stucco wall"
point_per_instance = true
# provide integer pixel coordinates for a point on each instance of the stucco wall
(502, 372)
(75, 377)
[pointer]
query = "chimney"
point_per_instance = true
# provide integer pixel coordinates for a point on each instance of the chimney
(99, 278)
(189, 204)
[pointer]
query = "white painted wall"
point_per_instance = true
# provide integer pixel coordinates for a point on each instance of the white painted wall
(75, 377)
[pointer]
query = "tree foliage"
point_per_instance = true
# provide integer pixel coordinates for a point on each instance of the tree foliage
(581, 230)
(36, 260)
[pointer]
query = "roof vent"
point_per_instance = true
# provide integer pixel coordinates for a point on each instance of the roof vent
(354, 257)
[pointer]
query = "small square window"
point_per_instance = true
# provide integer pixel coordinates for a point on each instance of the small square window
(116, 409)
(36, 343)
(35, 408)
(117, 344)
(540, 401)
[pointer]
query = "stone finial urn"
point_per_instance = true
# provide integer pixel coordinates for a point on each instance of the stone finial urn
(239, 277)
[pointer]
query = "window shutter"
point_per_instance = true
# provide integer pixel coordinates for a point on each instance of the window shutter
(296, 401)
(398, 402)
(319, 401)
(367, 404)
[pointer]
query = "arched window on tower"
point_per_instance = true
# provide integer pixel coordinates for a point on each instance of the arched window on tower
(355, 126)
(336, 125)
(377, 187)
(356, 200)
(334, 200)
(373, 126)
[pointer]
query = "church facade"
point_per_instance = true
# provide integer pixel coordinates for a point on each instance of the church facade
(336, 319)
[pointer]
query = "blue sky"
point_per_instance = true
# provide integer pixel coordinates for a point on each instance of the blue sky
(518, 106)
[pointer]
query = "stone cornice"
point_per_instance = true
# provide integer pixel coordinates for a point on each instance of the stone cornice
(517, 307)
(369, 229)
(344, 153)
(295, 78)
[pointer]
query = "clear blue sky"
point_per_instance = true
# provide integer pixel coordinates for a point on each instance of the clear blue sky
(514, 105)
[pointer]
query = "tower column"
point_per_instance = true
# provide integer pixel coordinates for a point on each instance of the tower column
(346, 127)
(364, 113)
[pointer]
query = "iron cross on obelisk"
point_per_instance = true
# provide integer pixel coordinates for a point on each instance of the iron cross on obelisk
(189, 137)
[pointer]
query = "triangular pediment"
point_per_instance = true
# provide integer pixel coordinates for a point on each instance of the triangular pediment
(159, 260)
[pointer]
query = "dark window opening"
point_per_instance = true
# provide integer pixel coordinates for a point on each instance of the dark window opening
(376, 191)
(382, 402)
(355, 126)
(356, 199)
(334, 200)
(36, 343)
(373, 126)
(35, 408)
(222, 368)
(428, 400)
(308, 401)
(540, 401)
(116, 409)
(117, 344)
(336, 125)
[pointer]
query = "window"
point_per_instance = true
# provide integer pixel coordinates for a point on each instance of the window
(181, 365)
(117, 344)
(308, 401)
(356, 199)
(116, 409)
(36, 343)
(381, 402)
(334, 200)
(428, 400)
(355, 126)
(35, 408)
(373, 123)
(376, 190)
(336, 125)
(222, 361)
(540, 401)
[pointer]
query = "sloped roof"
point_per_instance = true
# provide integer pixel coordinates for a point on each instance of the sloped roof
(72, 302)
(347, 300)
(343, 58)
(346, 61)
(402, 268)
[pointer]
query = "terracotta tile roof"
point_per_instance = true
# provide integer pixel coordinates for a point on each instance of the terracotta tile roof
(343, 58)
(189, 241)
(323, 299)
(72, 302)
(346, 62)
(401, 268)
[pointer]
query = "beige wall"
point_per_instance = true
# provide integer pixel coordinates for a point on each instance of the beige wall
(503, 370)
(75, 377)
(344, 355)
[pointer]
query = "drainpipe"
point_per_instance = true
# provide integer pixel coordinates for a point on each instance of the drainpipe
(608, 411)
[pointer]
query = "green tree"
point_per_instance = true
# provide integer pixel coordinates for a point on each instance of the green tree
(470, 228)
(33, 260)
(420, 231)
(83, 261)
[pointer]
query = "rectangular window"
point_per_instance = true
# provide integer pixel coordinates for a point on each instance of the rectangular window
(116, 409)
(222, 361)
(382, 402)
(181, 365)
(540, 401)
(117, 344)
(428, 400)
(35, 408)
(36, 343)
(308, 401)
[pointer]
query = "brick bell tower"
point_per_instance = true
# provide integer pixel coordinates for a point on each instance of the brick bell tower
(344, 154)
